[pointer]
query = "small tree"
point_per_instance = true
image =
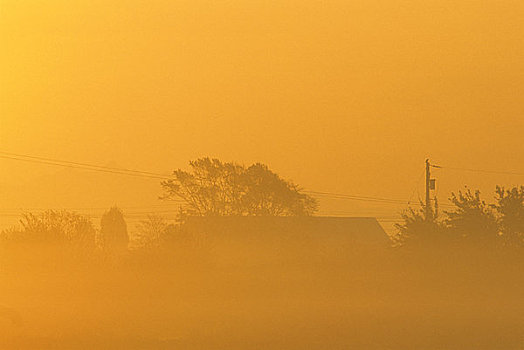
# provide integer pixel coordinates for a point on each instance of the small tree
(417, 229)
(113, 231)
(152, 232)
(472, 218)
(510, 209)
(53, 228)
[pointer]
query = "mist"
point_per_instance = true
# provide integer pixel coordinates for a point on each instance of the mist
(261, 174)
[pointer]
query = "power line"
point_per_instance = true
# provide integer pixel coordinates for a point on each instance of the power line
(480, 170)
(84, 166)
(148, 174)
(177, 202)
(372, 200)
(333, 195)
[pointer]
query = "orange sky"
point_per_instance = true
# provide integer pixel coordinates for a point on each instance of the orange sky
(343, 96)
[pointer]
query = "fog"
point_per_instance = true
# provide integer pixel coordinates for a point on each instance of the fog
(287, 294)
(213, 174)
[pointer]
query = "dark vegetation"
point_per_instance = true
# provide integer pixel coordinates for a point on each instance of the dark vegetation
(471, 222)
(452, 282)
(217, 188)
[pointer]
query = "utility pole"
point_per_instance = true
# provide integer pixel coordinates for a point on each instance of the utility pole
(429, 211)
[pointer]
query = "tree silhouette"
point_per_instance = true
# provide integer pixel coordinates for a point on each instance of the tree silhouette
(417, 229)
(510, 207)
(152, 232)
(472, 218)
(55, 228)
(471, 221)
(217, 188)
(113, 231)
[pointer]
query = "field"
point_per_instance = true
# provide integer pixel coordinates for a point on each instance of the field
(207, 299)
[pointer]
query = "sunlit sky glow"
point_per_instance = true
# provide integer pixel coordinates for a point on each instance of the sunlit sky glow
(343, 96)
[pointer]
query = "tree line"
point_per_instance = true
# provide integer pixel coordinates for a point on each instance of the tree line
(70, 230)
(471, 220)
(210, 188)
(215, 188)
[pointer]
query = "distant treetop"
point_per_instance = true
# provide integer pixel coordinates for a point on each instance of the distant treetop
(216, 188)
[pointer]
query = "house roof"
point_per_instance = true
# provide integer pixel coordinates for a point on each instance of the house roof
(351, 231)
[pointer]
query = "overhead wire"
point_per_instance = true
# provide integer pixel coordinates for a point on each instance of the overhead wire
(323, 195)
(480, 170)
(84, 166)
